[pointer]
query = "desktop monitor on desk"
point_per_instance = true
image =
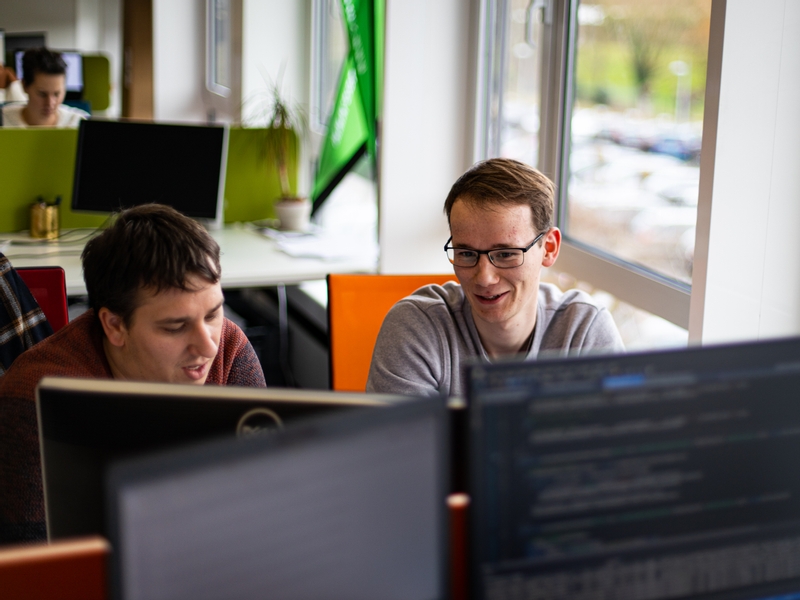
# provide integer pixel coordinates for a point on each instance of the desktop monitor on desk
(22, 41)
(351, 506)
(121, 164)
(86, 424)
(657, 476)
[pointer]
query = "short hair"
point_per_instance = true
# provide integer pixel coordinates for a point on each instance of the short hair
(151, 246)
(41, 60)
(504, 181)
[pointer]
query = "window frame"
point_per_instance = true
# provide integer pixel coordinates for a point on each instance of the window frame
(631, 283)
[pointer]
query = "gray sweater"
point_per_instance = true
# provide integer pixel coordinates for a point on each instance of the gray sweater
(426, 336)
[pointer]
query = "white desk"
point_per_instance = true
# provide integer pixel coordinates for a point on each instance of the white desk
(248, 259)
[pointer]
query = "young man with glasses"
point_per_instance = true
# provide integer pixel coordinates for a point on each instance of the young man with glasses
(501, 223)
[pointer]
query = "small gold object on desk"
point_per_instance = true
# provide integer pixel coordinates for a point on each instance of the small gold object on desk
(44, 219)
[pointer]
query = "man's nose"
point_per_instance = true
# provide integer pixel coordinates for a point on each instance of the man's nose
(203, 342)
(485, 271)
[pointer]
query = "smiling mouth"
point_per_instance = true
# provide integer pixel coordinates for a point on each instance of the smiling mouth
(489, 299)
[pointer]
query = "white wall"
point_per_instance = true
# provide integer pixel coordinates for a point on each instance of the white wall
(748, 285)
(98, 29)
(179, 60)
(89, 26)
(55, 18)
(426, 142)
(179, 64)
(275, 39)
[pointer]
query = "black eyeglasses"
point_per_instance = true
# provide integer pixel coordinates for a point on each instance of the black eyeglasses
(502, 258)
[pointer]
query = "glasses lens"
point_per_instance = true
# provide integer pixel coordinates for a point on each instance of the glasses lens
(506, 258)
(462, 257)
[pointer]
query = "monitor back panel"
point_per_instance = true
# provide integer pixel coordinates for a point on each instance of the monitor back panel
(85, 424)
(346, 507)
(662, 475)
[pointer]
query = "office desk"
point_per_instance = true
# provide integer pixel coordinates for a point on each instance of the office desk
(248, 260)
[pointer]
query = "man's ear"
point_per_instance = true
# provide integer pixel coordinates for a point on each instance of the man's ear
(552, 246)
(113, 327)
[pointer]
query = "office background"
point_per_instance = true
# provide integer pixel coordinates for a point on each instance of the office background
(746, 279)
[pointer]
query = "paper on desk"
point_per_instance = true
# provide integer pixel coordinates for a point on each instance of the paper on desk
(279, 235)
(319, 244)
(328, 247)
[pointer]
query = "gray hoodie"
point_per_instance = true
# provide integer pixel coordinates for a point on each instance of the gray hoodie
(426, 336)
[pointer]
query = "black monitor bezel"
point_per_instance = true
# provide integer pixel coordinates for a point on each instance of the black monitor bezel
(214, 220)
(86, 409)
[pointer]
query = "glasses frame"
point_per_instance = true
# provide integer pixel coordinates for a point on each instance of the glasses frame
(488, 253)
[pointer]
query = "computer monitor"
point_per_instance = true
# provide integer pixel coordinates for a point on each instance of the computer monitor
(85, 424)
(656, 475)
(22, 41)
(74, 74)
(120, 164)
(351, 506)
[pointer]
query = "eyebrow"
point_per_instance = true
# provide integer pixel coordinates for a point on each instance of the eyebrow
(493, 247)
(176, 320)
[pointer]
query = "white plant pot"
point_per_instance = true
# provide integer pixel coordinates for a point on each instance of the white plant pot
(293, 214)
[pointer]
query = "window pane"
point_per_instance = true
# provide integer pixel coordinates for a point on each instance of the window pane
(639, 86)
(330, 47)
(514, 108)
(639, 329)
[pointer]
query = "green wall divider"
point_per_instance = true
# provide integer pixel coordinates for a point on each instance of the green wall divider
(251, 184)
(96, 81)
(40, 162)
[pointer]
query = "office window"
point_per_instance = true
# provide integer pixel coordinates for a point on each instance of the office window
(639, 329)
(512, 91)
(329, 50)
(352, 208)
(605, 97)
(636, 126)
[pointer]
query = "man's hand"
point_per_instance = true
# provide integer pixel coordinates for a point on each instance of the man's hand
(7, 77)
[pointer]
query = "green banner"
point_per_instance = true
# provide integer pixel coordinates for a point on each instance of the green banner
(359, 15)
(346, 137)
(352, 127)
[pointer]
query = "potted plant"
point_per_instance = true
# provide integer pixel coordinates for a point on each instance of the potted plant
(286, 124)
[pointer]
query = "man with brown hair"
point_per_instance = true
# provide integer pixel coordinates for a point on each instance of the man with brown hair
(501, 223)
(156, 315)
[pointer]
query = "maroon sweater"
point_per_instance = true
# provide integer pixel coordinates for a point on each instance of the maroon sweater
(74, 351)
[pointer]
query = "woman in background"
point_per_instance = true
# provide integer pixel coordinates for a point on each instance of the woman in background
(44, 80)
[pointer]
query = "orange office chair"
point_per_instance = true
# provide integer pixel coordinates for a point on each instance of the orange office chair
(357, 305)
(49, 288)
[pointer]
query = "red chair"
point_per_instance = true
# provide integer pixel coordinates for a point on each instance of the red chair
(63, 570)
(48, 285)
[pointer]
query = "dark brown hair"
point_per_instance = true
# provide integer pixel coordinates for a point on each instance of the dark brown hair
(147, 247)
(499, 181)
(41, 60)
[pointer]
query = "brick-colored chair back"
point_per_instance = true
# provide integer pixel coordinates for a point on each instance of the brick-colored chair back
(63, 570)
(49, 287)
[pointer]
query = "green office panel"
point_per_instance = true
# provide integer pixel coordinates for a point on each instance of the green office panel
(40, 162)
(96, 81)
(251, 183)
